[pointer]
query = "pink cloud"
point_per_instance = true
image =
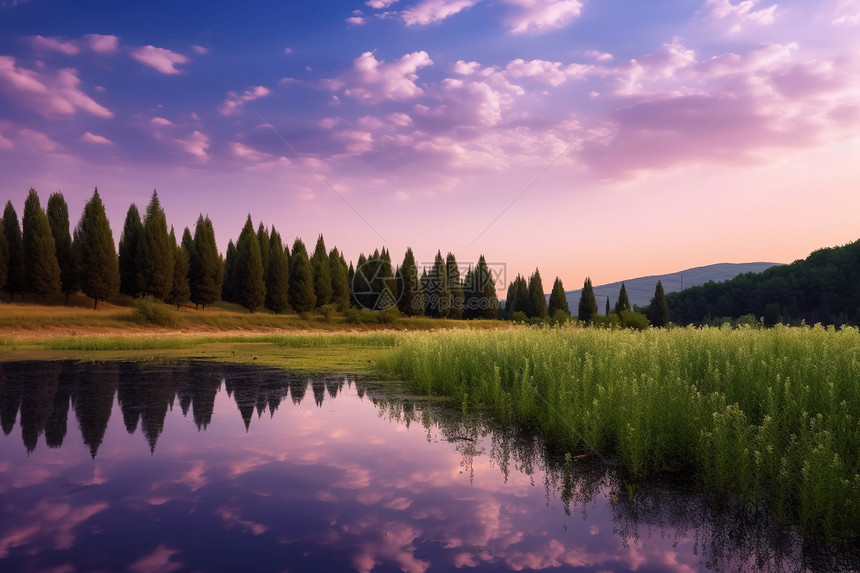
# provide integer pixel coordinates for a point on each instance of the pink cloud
(97, 139)
(242, 151)
(538, 16)
(355, 21)
(158, 560)
(159, 59)
(379, 4)
(196, 144)
(372, 81)
(741, 13)
(201, 50)
(160, 121)
(54, 94)
(552, 73)
(234, 102)
(598, 56)
(53, 44)
(430, 11)
(102, 44)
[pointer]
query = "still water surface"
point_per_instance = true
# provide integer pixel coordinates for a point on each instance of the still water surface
(208, 467)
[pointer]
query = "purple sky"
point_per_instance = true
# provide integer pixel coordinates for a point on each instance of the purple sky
(610, 139)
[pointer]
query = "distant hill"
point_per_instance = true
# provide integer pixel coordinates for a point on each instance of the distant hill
(640, 290)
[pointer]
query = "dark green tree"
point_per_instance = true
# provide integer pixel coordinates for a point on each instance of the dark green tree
(321, 266)
(180, 291)
(623, 301)
(277, 275)
(359, 282)
(537, 298)
(206, 272)
(228, 287)
(411, 297)
(658, 310)
(155, 253)
(438, 292)
(97, 259)
(264, 240)
(517, 297)
(458, 297)
(129, 242)
(40, 252)
(608, 308)
(58, 219)
(480, 290)
(350, 275)
(558, 299)
(16, 273)
(339, 280)
(587, 302)
(302, 295)
(249, 269)
(4, 257)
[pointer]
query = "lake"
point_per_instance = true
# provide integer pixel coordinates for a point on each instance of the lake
(198, 466)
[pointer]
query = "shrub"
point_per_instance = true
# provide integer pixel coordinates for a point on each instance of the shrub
(150, 311)
(634, 320)
(327, 310)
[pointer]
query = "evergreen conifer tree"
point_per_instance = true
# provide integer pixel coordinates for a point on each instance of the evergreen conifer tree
(58, 219)
(98, 269)
(455, 286)
(339, 280)
(623, 301)
(537, 298)
(129, 241)
(180, 291)
(382, 284)
(228, 288)
(438, 291)
(206, 272)
(350, 275)
(488, 306)
(16, 273)
(558, 299)
(587, 302)
(321, 266)
(608, 310)
(4, 256)
(264, 240)
(40, 252)
(277, 275)
(359, 283)
(658, 310)
(251, 291)
(302, 295)
(411, 301)
(154, 257)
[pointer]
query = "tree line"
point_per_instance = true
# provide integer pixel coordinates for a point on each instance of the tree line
(43, 257)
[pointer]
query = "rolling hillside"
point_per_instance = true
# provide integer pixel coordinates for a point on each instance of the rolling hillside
(641, 289)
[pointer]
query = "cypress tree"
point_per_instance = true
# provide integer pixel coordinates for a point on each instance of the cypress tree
(129, 241)
(350, 275)
(411, 301)
(537, 298)
(455, 286)
(607, 307)
(321, 266)
(16, 274)
(97, 259)
(155, 253)
(4, 257)
(302, 295)
(359, 283)
(40, 252)
(485, 288)
(658, 310)
(623, 301)
(264, 240)
(251, 291)
(339, 280)
(517, 297)
(558, 299)
(385, 285)
(438, 292)
(58, 219)
(587, 302)
(228, 287)
(180, 291)
(206, 272)
(277, 275)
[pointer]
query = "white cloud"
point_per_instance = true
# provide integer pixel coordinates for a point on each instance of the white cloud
(380, 4)
(160, 121)
(847, 13)
(372, 81)
(197, 144)
(102, 44)
(400, 119)
(552, 73)
(355, 21)
(53, 44)
(159, 59)
(234, 102)
(598, 56)
(97, 139)
(539, 16)
(429, 11)
(741, 13)
(54, 94)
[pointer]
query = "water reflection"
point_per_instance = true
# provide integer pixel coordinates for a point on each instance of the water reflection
(323, 475)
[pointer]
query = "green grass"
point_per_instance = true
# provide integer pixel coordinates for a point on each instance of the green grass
(768, 417)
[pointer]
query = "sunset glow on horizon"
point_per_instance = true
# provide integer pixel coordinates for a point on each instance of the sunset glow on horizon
(608, 139)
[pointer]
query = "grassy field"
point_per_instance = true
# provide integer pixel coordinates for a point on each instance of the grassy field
(769, 417)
